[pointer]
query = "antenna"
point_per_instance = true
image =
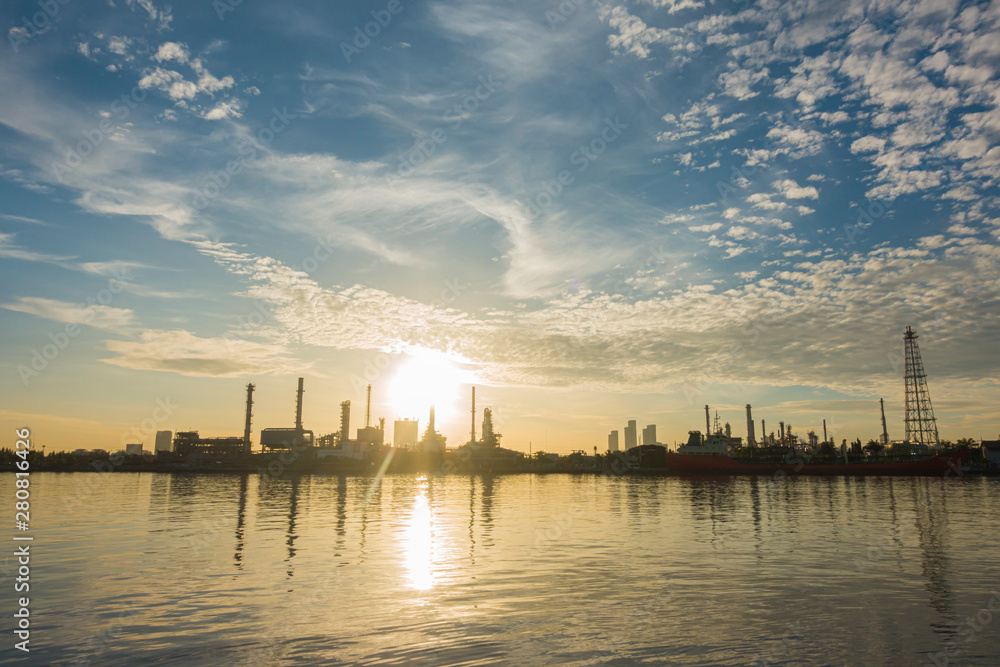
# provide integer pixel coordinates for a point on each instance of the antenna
(921, 426)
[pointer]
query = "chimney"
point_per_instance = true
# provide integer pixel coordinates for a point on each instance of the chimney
(246, 430)
(298, 406)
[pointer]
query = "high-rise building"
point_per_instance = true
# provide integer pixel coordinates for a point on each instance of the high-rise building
(630, 435)
(649, 435)
(404, 433)
(613, 441)
(134, 450)
(163, 439)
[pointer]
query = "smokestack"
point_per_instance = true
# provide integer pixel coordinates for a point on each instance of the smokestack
(708, 427)
(751, 440)
(824, 430)
(298, 406)
(430, 424)
(474, 415)
(368, 408)
(782, 425)
(763, 431)
(246, 429)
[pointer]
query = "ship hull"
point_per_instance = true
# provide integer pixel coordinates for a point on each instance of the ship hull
(937, 466)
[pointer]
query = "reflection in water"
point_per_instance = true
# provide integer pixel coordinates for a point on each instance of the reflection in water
(419, 543)
(486, 507)
(472, 520)
(930, 514)
(293, 504)
(241, 517)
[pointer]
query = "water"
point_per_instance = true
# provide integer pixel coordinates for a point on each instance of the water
(523, 569)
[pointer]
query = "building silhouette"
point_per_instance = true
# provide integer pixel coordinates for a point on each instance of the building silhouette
(163, 439)
(630, 435)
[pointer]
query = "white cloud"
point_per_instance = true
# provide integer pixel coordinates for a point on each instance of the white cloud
(792, 190)
(224, 109)
(173, 51)
(119, 45)
(633, 36)
(10, 250)
(738, 83)
(867, 144)
(673, 6)
(184, 353)
(101, 317)
(160, 17)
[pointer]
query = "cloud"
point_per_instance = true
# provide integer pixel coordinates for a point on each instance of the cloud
(867, 144)
(223, 110)
(633, 35)
(792, 190)
(737, 83)
(160, 17)
(10, 250)
(186, 354)
(175, 85)
(173, 51)
(100, 317)
(673, 6)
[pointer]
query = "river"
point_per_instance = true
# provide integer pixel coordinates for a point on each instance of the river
(518, 569)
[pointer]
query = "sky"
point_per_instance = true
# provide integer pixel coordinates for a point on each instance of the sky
(593, 211)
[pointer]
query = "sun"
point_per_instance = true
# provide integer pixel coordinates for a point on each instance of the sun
(425, 378)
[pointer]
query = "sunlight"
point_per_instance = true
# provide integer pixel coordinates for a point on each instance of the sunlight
(424, 379)
(419, 547)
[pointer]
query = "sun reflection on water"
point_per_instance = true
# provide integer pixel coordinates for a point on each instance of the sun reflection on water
(419, 544)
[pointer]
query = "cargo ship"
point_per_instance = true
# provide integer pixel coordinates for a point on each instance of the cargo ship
(716, 455)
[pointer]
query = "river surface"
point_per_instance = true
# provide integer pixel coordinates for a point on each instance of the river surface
(523, 569)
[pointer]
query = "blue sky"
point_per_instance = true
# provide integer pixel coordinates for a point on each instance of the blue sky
(595, 211)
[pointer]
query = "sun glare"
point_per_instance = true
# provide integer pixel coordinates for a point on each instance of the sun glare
(419, 545)
(424, 379)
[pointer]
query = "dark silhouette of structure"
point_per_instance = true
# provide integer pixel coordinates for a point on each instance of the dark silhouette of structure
(921, 426)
